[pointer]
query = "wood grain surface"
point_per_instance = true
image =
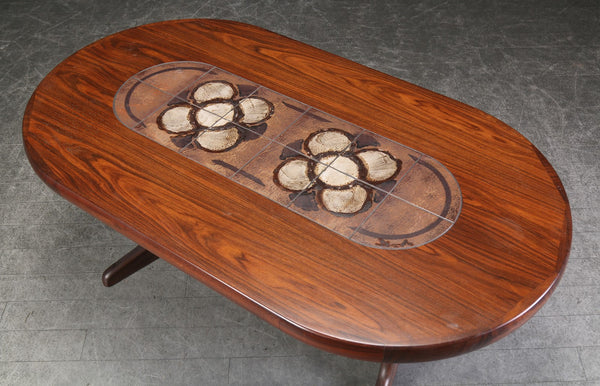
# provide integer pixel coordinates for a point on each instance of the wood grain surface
(482, 279)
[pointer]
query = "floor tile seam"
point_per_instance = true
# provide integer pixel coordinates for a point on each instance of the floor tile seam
(76, 273)
(560, 383)
(534, 348)
(79, 273)
(566, 285)
(23, 179)
(11, 224)
(590, 257)
(60, 199)
(103, 329)
(281, 356)
(99, 360)
(537, 316)
(581, 362)
(110, 299)
(43, 330)
(185, 355)
(88, 299)
(89, 329)
(64, 248)
(158, 328)
(549, 46)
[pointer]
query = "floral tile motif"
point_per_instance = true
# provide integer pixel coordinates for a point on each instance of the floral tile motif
(356, 183)
(340, 175)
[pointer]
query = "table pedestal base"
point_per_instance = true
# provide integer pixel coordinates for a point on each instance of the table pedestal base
(127, 265)
(139, 258)
(387, 372)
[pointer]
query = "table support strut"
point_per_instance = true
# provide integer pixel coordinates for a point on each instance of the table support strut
(387, 372)
(127, 265)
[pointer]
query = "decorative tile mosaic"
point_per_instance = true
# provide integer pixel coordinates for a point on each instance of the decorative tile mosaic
(356, 183)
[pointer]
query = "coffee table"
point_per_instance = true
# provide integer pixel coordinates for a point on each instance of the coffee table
(354, 211)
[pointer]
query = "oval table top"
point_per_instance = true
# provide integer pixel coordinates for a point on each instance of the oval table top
(487, 272)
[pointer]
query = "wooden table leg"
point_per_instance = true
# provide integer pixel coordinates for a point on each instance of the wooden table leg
(387, 372)
(127, 265)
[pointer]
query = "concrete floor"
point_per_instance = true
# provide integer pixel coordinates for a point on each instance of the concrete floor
(533, 64)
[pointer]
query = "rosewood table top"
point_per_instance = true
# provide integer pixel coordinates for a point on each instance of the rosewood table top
(357, 212)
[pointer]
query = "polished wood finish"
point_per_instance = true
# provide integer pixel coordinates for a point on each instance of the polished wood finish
(481, 280)
(132, 262)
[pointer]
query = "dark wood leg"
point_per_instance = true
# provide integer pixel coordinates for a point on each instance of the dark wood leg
(387, 372)
(127, 265)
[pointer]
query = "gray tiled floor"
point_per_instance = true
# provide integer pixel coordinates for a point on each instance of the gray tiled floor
(533, 64)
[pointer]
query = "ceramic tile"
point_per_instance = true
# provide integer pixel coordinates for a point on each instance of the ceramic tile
(242, 87)
(369, 143)
(173, 77)
(396, 224)
(150, 127)
(311, 205)
(431, 186)
(285, 112)
(313, 121)
(229, 161)
(259, 174)
(135, 101)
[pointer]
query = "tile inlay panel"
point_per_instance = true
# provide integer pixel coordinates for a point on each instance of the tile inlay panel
(356, 183)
